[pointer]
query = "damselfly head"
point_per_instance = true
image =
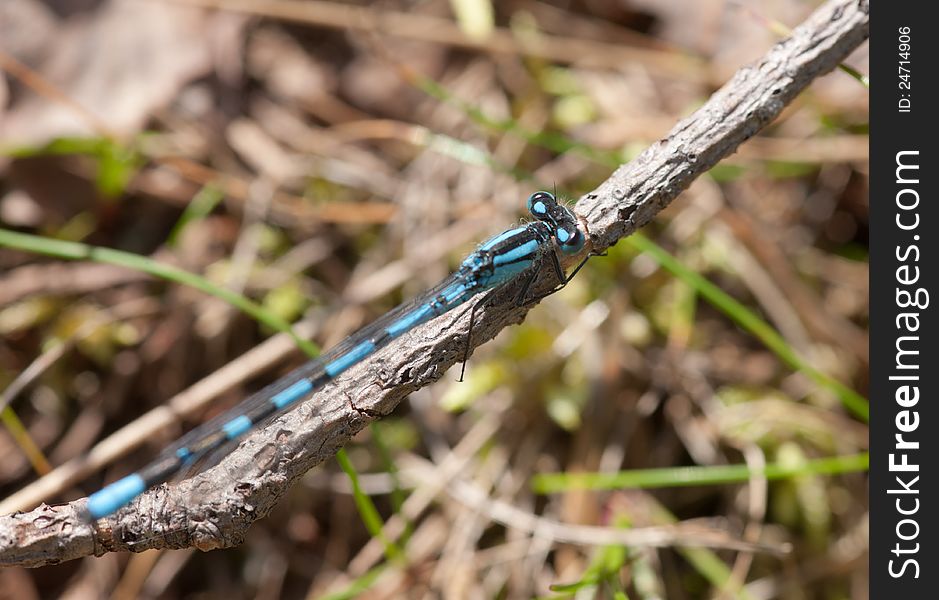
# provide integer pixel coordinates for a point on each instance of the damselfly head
(545, 207)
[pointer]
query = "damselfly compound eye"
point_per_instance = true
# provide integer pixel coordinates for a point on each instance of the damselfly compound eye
(571, 241)
(540, 203)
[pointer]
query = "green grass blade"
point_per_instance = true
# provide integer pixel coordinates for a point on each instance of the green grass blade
(747, 319)
(205, 200)
(358, 586)
(11, 422)
(368, 512)
(76, 251)
(701, 475)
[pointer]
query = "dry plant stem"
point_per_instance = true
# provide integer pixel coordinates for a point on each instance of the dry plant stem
(685, 534)
(215, 508)
(63, 279)
(426, 28)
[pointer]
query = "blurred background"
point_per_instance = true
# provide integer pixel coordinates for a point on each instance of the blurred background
(330, 160)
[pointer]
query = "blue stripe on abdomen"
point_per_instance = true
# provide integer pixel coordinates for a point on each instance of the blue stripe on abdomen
(114, 496)
(236, 427)
(350, 358)
(410, 320)
(292, 393)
